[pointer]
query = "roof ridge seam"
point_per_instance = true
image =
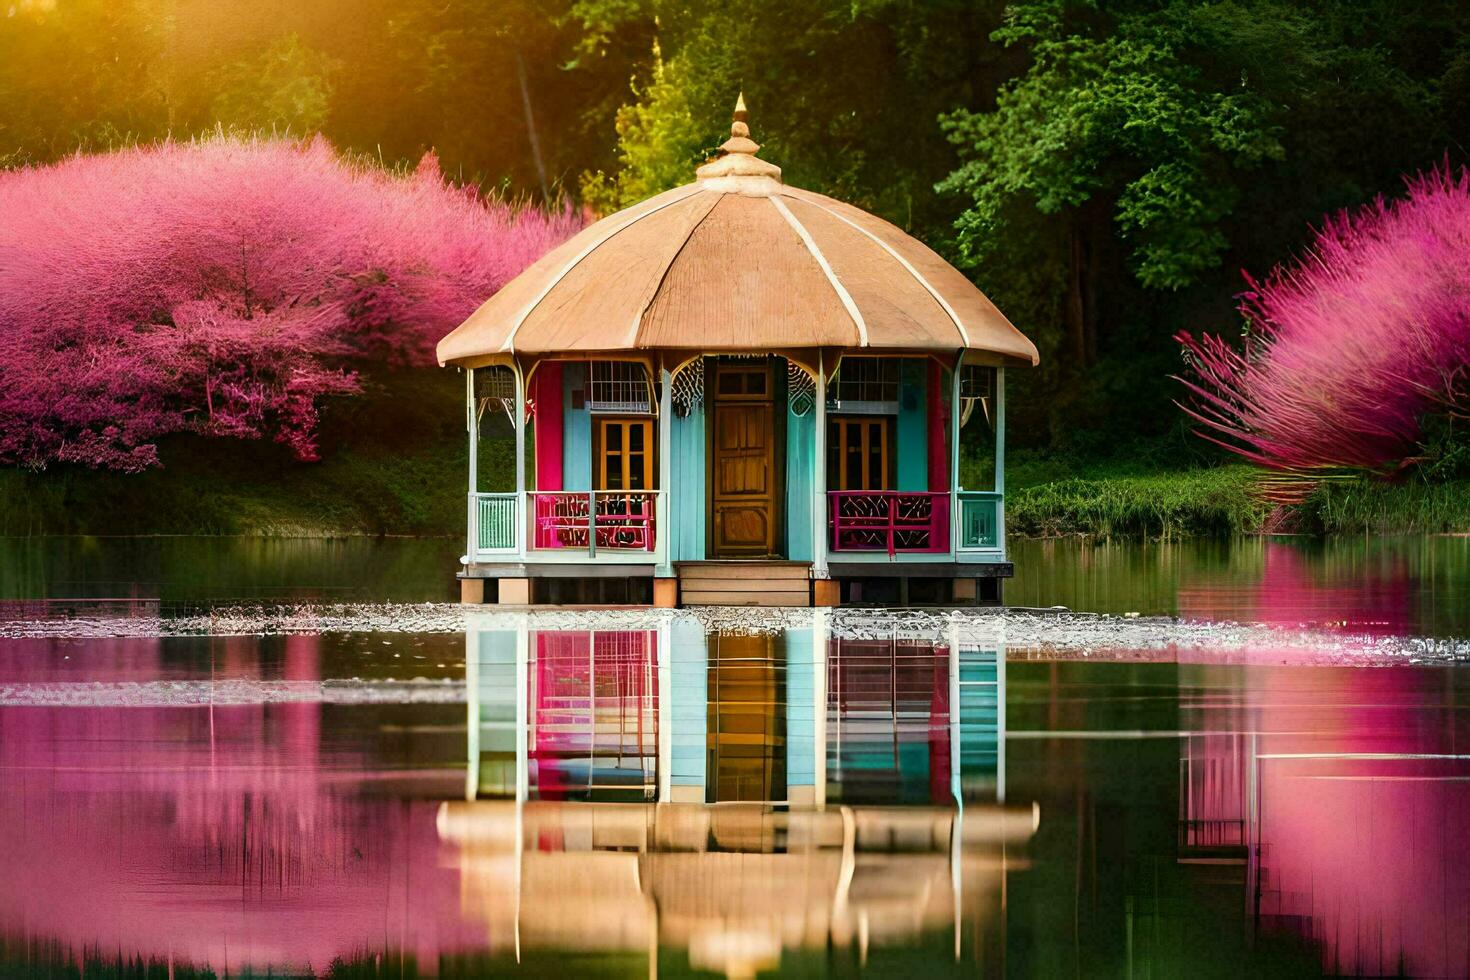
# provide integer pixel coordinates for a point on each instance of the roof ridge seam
(841, 290)
(638, 319)
(508, 346)
(908, 266)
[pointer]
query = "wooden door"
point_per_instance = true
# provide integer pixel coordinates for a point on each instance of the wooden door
(743, 492)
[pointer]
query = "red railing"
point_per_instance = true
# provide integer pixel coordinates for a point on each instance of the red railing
(889, 520)
(618, 519)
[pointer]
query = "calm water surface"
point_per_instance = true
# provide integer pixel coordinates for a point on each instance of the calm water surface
(1388, 585)
(898, 804)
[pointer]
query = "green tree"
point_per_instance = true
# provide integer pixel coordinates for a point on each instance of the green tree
(843, 95)
(1145, 144)
(286, 88)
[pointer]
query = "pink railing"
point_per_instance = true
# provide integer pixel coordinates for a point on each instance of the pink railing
(889, 520)
(618, 519)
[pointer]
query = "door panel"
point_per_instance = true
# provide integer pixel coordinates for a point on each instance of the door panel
(743, 492)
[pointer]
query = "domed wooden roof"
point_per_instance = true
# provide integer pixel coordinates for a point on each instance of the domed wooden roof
(736, 261)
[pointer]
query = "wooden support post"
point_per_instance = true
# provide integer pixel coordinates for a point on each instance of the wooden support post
(826, 592)
(666, 593)
(472, 591)
(514, 592)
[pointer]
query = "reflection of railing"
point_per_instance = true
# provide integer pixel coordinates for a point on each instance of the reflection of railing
(889, 520)
(495, 521)
(593, 519)
(980, 520)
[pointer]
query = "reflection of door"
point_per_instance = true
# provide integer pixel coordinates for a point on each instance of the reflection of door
(747, 720)
(743, 470)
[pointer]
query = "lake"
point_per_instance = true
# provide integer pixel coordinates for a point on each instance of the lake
(1403, 584)
(812, 793)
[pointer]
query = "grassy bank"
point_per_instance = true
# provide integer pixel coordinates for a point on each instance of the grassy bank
(1157, 504)
(395, 463)
(1112, 500)
(247, 491)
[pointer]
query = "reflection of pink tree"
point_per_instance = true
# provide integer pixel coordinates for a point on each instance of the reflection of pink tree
(1358, 597)
(1358, 814)
(220, 836)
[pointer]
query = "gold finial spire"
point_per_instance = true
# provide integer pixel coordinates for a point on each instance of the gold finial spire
(739, 124)
(737, 157)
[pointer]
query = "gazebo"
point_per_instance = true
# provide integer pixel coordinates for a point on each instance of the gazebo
(737, 392)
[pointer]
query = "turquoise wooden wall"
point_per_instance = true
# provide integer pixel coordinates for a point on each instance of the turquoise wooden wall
(689, 677)
(913, 427)
(577, 432)
(801, 451)
(686, 495)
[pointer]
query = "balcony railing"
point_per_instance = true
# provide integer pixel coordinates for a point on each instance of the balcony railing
(980, 521)
(593, 520)
(889, 520)
(495, 521)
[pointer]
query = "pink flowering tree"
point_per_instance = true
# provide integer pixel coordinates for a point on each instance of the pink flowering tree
(1351, 350)
(226, 287)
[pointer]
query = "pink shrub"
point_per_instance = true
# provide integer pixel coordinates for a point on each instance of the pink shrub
(1350, 348)
(225, 287)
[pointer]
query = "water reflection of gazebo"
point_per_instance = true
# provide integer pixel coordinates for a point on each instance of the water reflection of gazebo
(737, 391)
(649, 706)
(736, 890)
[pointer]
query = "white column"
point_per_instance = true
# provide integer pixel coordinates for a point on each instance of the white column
(819, 475)
(1000, 459)
(954, 453)
(472, 425)
(661, 527)
(523, 507)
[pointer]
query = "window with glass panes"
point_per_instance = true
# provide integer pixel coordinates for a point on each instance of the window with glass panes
(624, 454)
(866, 381)
(857, 453)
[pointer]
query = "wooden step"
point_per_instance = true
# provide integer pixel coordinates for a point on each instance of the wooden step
(743, 571)
(744, 583)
